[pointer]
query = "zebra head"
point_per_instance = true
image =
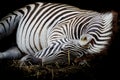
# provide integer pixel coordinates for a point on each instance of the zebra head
(95, 36)
(91, 34)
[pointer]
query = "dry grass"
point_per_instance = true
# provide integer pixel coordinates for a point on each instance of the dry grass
(50, 71)
(47, 72)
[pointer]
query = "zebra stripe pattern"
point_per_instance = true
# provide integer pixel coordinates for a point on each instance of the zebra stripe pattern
(45, 30)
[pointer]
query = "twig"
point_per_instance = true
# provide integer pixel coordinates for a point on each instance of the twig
(68, 57)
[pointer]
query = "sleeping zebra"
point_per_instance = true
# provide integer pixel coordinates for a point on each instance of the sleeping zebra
(45, 31)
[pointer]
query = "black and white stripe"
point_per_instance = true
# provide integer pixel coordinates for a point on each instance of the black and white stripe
(46, 29)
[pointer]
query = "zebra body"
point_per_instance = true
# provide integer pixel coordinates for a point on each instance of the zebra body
(46, 29)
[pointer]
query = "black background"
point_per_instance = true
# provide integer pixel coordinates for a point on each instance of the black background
(108, 67)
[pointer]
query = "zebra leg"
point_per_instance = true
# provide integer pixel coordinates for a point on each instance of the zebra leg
(12, 53)
(59, 52)
(45, 56)
(29, 60)
(55, 52)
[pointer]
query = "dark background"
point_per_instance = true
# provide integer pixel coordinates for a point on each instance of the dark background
(108, 67)
(9, 5)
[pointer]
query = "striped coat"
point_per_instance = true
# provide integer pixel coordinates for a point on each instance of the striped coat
(46, 30)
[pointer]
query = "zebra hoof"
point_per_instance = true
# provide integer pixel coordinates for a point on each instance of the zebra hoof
(30, 60)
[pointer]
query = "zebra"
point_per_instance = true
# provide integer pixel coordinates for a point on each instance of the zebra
(46, 31)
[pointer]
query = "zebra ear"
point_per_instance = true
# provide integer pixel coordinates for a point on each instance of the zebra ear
(107, 17)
